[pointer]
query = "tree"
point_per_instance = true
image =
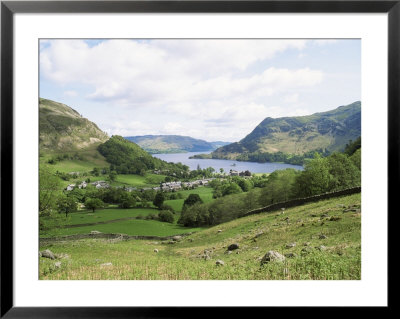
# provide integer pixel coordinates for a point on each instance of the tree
(127, 200)
(166, 216)
(344, 173)
(230, 188)
(49, 185)
(66, 205)
(96, 171)
(192, 199)
(314, 179)
(159, 199)
(94, 203)
(111, 176)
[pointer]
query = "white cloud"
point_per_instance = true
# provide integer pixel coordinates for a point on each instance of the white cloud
(199, 87)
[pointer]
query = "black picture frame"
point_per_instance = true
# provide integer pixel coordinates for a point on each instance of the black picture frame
(9, 8)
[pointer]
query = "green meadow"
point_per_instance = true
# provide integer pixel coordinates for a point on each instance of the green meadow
(323, 238)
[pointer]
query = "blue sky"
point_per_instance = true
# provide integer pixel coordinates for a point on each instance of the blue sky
(208, 89)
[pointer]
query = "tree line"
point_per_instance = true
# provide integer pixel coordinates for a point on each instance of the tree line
(320, 175)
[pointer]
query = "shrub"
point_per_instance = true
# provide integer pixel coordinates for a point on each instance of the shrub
(166, 216)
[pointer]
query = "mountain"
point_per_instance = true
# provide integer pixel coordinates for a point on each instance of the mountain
(298, 135)
(61, 128)
(173, 144)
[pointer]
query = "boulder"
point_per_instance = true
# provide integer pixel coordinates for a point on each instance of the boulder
(272, 256)
(291, 245)
(322, 237)
(258, 234)
(156, 250)
(176, 238)
(219, 262)
(57, 264)
(48, 254)
(233, 246)
(321, 248)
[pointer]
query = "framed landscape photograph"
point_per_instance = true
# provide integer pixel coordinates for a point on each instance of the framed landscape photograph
(206, 147)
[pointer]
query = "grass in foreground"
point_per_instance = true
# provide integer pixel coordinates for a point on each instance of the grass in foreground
(338, 256)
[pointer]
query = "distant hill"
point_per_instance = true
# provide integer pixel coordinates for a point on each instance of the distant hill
(61, 128)
(173, 144)
(329, 131)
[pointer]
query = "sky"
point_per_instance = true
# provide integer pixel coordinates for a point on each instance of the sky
(211, 89)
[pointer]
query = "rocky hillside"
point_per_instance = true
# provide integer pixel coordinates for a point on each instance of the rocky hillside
(297, 135)
(61, 128)
(155, 144)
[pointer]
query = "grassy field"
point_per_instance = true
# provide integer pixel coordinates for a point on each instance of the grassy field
(130, 226)
(140, 181)
(335, 256)
(90, 158)
(205, 194)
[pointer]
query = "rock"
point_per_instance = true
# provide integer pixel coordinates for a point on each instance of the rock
(290, 255)
(48, 254)
(258, 234)
(306, 244)
(322, 237)
(176, 238)
(57, 264)
(233, 246)
(106, 264)
(156, 250)
(95, 232)
(219, 231)
(321, 248)
(219, 262)
(291, 245)
(228, 252)
(272, 256)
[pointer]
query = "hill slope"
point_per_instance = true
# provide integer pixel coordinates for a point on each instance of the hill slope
(61, 128)
(173, 143)
(129, 158)
(297, 234)
(297, 135)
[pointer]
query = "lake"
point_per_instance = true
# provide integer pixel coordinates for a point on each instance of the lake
(221, 163)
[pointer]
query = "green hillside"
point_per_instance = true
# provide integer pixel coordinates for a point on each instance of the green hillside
(129, 158)
(61, 129)
(298, 135)
(173, 143)
(320, 241)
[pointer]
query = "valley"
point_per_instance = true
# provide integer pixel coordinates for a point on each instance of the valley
(98, 193)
